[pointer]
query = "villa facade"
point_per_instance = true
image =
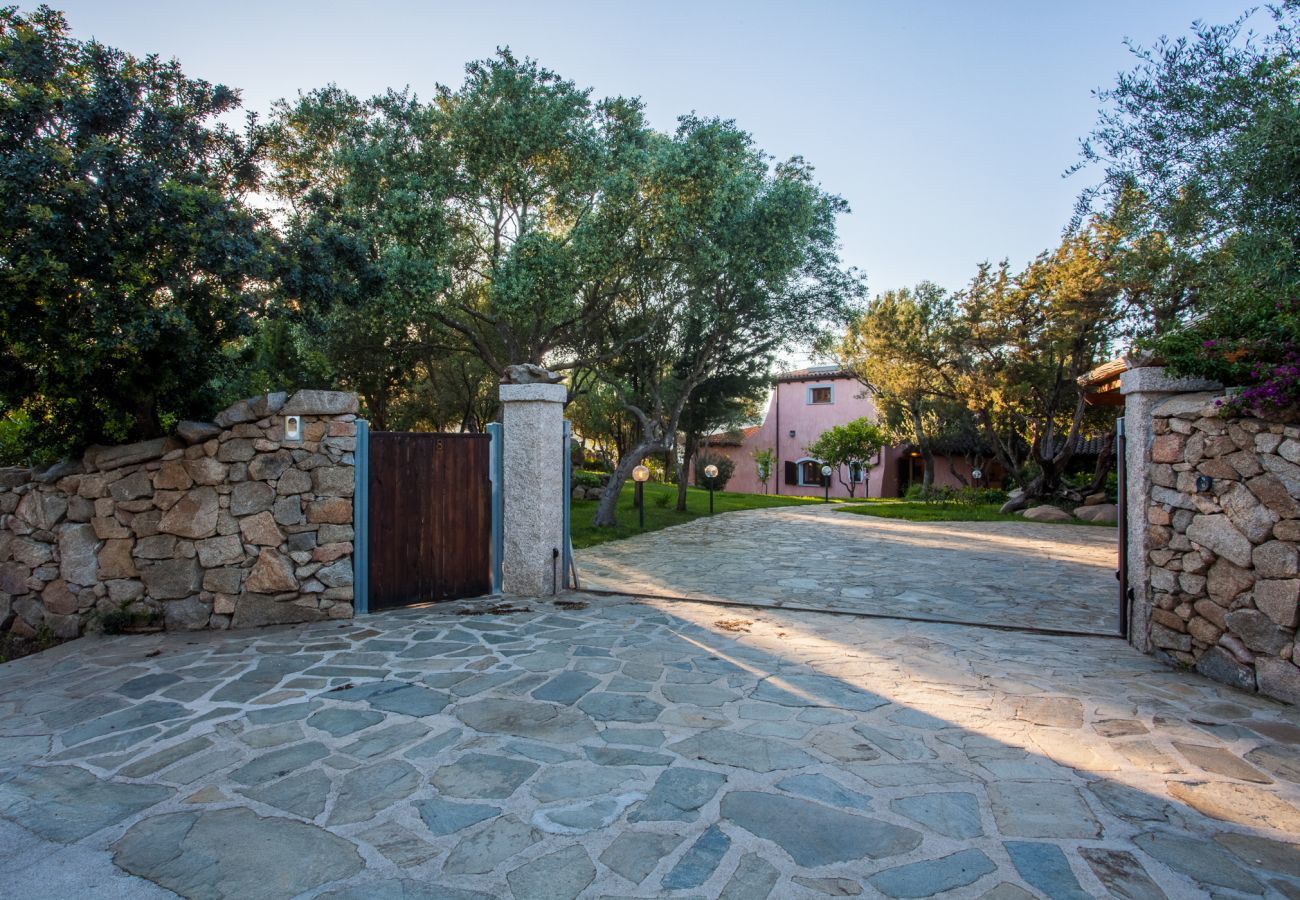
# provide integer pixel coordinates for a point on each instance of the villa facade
(804, 403)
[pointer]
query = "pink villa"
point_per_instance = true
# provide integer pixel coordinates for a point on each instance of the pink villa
(805, 403)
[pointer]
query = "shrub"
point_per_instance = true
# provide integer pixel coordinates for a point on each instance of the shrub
(584, 479)
(726, 468)
(941, 494)
(974, 496)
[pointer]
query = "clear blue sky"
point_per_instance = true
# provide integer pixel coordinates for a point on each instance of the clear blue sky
(947, 126)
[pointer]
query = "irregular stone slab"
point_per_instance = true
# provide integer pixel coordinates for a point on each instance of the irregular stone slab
(824, 790)
(697, 864)
(1007, 891)
(909, 774)
(539, 752)
(561, 875)
(320, 403)
(385, 740)
(403, 847)
(23, 749)
(234, 853)
(1198, 859)
(677, 796)
(698, 694)
(566, 688)
(410, 700)
(1122, 874)
(483, 851)
(481, 776)
(147, 713)
(66, 804)
(303, 794)
(1051, 712)
(1045, 867)
(622, 756)
(156, 762)
(1240, 803)
(521, 718)
(373, 788)
(608, 707)
(444, 817)
(637, 737)
(1275, 856)
(342, 722)
(729, 748)
(581, 818)
(813, 834)
(753, 880)
(1221, 762)
(139, 688)
(815, 690)
(897, 744)
(635, 854)
(954, 814)
(831, 887)
(1041, 809)
(932, 876)
(569, 783)
(279, 763)
(1130, 803)
(1283, 760)
(402, 889)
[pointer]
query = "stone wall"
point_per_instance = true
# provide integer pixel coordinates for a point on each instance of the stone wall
(1224, 554)
(225, 524)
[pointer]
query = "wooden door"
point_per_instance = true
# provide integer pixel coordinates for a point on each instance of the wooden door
(430, 518)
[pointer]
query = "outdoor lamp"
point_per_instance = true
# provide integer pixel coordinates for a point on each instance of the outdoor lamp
(640, 475)
(826, 482)
(710, 472)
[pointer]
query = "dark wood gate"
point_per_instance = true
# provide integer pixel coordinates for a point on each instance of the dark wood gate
(430, 518)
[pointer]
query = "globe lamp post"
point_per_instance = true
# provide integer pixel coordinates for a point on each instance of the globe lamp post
(640, 475)
(826, 482)
(710, 472)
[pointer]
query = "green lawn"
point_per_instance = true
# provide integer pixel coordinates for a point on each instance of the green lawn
(662, 516)
(912, 511)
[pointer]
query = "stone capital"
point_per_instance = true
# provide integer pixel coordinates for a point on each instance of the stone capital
(533, 393)
(1153, 380)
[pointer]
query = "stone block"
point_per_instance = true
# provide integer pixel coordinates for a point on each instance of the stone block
(115, 559)
(334, 481)
(255, 610)
(1287, 530)
(321, 403)
(1208, 609)
(269, 466)
(172, 579)
(1099, 512)
(156, 546)
(220, 551)
(106, 458)
(146, 523)
(173, 476)
(189, 614)
(59, 599)
(337, 574)
(1278, 599)
(132, 487)
(1278, 679)
(335, 512)
(1244, 510)
(1203, 630)
(77, 554)
(206, 470)
(330, 534)
(249, 497)
(262, 530)
(41, 510)
(1273, 494)
(197, 432)
(288, 510)
(1286, 472)
(1046, 513)
(1167, 639)
(1276, 559)
(294, 481)
(236, 450)
(1217, 533)
(194, 516)
(223, 581)
(271, 574)
(1257, 631)
(1168, 448)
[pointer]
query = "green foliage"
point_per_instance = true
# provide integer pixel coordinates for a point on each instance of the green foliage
(581, 478)
(726, 468)
(765, 460)
(129, 255)
(940, 494)
(1200, 148)
(853, 444)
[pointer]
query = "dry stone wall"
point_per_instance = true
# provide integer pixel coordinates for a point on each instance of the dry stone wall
(227, 524)
(1225, 552)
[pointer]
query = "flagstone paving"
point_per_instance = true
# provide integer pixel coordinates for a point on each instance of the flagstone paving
(609, 747)
(1032, 574)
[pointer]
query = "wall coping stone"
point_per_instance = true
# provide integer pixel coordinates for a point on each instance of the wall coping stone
(1153, 380)
(534, 393)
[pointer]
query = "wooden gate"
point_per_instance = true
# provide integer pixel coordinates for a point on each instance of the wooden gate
(430, 518)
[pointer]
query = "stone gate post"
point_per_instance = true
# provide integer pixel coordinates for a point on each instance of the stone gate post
(532, 417)
(1144, 389)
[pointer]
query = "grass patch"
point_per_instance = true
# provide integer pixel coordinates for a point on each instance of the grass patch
(661, 512)
(913, 511)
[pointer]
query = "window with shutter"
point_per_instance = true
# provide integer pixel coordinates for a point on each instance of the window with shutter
(791, 473)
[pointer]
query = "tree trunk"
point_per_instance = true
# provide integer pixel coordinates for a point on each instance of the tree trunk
(923, 443)
(1105, 459)
(684, 471)
(607, 509)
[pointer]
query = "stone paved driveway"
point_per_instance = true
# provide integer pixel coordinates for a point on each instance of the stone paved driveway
(609, 747)
(1056, 577)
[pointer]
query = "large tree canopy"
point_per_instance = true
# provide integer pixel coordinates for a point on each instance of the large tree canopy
(1199, 146)
(127, 254)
